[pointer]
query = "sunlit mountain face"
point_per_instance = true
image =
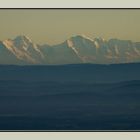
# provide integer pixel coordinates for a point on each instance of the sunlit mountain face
(76, 49)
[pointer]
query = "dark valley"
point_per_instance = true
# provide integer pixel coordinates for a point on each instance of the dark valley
(70, 97)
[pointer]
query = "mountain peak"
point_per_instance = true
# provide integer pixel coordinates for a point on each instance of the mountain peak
(86, 37)
(81, 37)
(23, 38)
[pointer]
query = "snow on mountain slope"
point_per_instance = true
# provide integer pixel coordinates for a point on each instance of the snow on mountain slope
(23, 48)
(76, 49)
(7, 57)
(60, 54)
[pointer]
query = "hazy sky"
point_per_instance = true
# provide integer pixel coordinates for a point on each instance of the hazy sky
(55, 26)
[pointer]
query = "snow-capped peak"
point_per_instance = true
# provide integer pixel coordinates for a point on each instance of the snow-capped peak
(86, 37)
(82, 37)
(23, 41)
(22, 38)
(24, 49)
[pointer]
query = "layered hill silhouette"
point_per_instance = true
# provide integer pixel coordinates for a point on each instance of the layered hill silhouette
(83, 73)
(70, 97)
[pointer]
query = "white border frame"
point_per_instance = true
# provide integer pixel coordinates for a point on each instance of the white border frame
(69, 4)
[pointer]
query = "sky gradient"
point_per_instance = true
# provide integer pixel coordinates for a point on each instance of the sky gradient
(55, 26)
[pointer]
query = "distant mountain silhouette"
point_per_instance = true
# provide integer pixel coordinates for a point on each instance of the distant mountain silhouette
(76, 49)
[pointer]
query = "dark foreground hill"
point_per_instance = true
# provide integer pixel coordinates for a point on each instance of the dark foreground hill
(90, 73)
(62, 97)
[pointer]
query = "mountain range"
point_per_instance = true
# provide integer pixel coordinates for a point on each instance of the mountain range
(76, 49)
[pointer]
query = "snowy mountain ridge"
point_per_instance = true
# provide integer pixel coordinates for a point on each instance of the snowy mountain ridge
(77, 49)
